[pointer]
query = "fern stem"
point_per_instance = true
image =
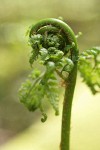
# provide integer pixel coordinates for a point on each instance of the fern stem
(66, 116)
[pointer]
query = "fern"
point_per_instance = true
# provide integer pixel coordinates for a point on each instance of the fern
(89, 67)
(54, 45)
(52, 51)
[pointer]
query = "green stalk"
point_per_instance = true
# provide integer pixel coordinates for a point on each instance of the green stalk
(67, 106)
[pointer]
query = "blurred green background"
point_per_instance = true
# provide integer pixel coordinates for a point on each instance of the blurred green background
(20, 129)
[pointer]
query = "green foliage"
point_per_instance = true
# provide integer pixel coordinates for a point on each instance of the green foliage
(57, 51)
(89, 67)
(51, 50)
(39, 88)
(35, 42)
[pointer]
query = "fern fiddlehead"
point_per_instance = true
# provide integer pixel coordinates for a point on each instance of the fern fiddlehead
(54, 45)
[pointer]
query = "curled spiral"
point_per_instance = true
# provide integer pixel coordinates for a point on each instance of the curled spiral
(53, 34)
(54, 44)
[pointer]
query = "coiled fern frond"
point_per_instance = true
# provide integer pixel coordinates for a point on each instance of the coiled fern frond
(54, 46)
